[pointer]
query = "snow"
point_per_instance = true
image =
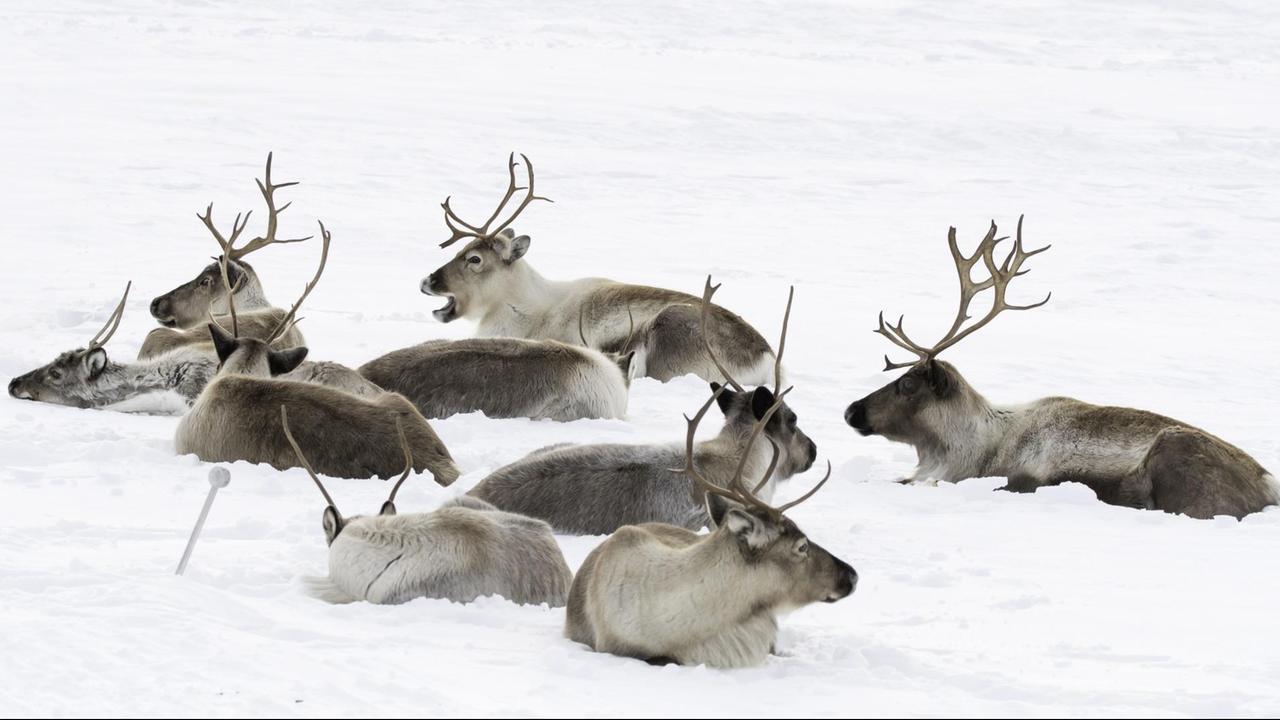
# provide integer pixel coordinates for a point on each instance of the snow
(825, 144)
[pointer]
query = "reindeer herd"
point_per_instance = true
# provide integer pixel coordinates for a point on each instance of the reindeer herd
(656, 589)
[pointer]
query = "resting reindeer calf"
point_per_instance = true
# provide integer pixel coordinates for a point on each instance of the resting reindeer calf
(489, 283)
(464, 550)
(505, 378)
(1127, 457)
(595, 489)
(662, 593)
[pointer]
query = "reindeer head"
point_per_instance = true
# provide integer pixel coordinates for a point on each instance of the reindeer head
(930, 403)
(250, 356)
(476, 275)
(783, 562)
(187, 305)
(69, 379)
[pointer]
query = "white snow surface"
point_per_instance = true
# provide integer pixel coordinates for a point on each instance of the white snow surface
(825, 144)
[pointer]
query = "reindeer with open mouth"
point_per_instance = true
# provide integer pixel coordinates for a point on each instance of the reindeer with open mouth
(490, 283)
(1128, 457)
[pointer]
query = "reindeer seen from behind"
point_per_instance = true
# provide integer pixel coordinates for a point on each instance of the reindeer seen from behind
(183, 311)
(595, 489)
(489, 283)
(234, 418)
(1127, 457)
(464, 550)
(663, 593)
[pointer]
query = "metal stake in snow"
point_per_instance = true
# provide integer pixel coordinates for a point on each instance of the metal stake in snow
(218, 478)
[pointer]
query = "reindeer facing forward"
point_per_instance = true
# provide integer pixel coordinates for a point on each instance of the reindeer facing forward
(489, 283)
(1128, 457)
(662, 593)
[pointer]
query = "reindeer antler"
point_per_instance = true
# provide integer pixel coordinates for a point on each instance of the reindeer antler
(461, 229)
(288, 320)
(389, 507)
(113, 322)
(999, 277)
(268, 190)
(297, 451)
(736, 490)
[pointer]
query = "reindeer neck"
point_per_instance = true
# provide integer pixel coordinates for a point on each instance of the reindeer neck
(177, 372)
(723, 587)
(970, 445)
(521, 309)
(718, 458)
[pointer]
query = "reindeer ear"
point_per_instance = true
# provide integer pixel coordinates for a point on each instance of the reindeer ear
(283, 361)
(725, 398)
(332, 523)
(515, 248)
(939, 378)
(761, 400)
(223, 343)
(95, 362)
(751, 530)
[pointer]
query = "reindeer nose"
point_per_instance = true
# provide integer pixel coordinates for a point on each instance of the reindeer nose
(156, 307)
(856, 417)
(13, 387)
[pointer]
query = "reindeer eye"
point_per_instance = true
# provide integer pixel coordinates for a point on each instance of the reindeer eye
(907, 385)
(802, 547)
(205, 280)
(55, 374)
(474, 259)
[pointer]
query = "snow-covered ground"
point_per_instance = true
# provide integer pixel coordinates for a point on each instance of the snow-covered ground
(823, 144)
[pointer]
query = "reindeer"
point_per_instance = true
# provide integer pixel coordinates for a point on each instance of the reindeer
(183, 310)
(487, 282)
(662, 593)
(347, 436)
(595, 489)
(462, 551)
(87, 378)
(506, 378)
(1127, 457)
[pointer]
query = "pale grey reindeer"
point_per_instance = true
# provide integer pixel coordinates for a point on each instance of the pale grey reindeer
(488, 282)
(596, 489)
(88, 378)
(235, 417)
(665, 594)
(464, 550)
(506, 378)
(184, 310)
(1127, 457)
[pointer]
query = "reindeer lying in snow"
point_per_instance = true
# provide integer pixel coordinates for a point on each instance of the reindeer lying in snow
(184, 310)
(1128, 457)
(347, 436)
(88, 378)
(488, 283)
(464, 550)
(662, 593)
(595, 489)
(505, 378)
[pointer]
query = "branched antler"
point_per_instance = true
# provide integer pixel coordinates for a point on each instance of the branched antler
(113, 322)
(288, 320)
(268, 190)
(736, 490)
(461, 229)
(999, 277)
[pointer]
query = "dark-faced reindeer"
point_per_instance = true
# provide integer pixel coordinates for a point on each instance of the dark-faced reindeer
(235, 417)
(488, 283)
(506, 378)
(88, 378)
(596, 489)
(662, 593)
(1128, 457)
(184, 310)
(464, 550)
